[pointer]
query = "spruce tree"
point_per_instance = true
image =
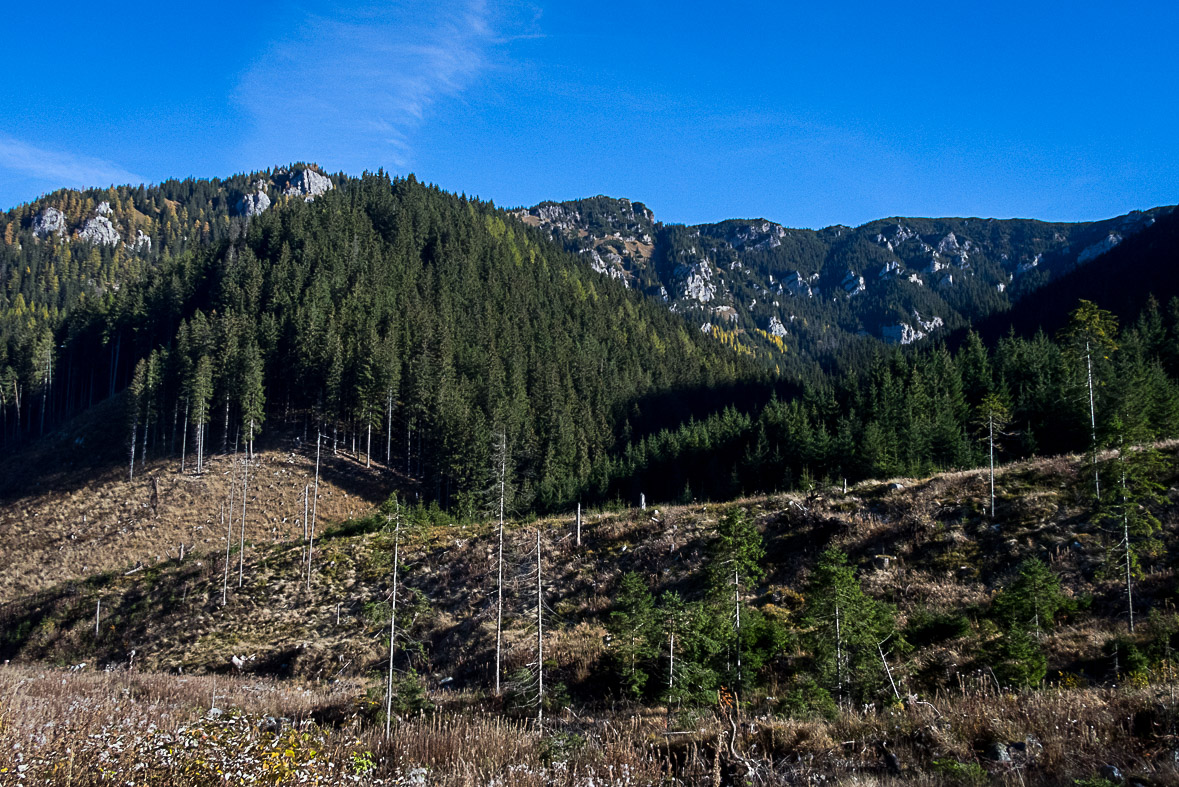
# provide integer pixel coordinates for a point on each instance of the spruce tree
(634, 631)
(846, 629)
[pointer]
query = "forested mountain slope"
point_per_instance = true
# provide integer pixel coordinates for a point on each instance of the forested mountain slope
(417, 326)
(417, 323)
(793, 295)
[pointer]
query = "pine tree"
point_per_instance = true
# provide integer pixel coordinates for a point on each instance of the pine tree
(1089, 340)
(991, 417)
(734, 569)
(253, 395)
(200, 395)
(846, 629)
(135, 395)
(1033, 600)
(634, 633)
(1133, 493)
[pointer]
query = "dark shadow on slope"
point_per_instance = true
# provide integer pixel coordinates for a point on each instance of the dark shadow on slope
(1121, 280)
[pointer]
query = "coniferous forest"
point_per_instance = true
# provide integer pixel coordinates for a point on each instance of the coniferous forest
(414, 327)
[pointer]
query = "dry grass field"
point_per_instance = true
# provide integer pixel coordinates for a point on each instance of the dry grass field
(130, 728)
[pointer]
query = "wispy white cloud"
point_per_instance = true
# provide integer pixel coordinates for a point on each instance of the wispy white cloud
(349, 90)
(60, 168)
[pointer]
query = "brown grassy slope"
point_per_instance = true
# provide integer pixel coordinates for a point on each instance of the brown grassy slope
(943, 555)
(68, 510)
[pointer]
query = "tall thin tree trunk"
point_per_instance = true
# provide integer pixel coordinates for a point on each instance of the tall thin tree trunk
(44, 397)
(539, 636)
(134, 427)
(388, 428)
(1129, 556)
(838, 656)
(368, 451)
(671, 666)
(1093, 422)
(499, 605)
(184, 440)
(146, 427)
(887, 670)
(314, 504)
(579, 524)
(737, 620)
(228, 545)
(991, 427)
(241, 557)
(392, 622)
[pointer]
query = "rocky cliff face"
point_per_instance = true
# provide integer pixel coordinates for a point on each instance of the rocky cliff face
(830, 285)
(99, 230)
(251, 205)
(304, 183)
(616, 237)
(308, 184)
(50, 221)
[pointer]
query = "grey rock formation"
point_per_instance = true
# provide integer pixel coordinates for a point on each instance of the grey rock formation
(697, 281)
(1025, 266)
(758, 235)
(50, 221)
(795, 284)
(142, 242)
(906, 333)
(776, 327)
(99, 231)
(307, 184)
(610, 265)
(853, 284)
(1097, 249)
(251, 205)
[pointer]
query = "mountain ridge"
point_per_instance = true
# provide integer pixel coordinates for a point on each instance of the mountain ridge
(900, 278)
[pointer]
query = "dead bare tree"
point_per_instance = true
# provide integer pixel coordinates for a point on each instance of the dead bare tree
(499, 606)
(241, 555)
(539, 636)
(393, 620)
(228, 545)
(183, 437)
(314, 503)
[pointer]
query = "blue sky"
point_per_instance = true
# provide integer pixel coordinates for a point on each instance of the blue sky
(807, 114)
